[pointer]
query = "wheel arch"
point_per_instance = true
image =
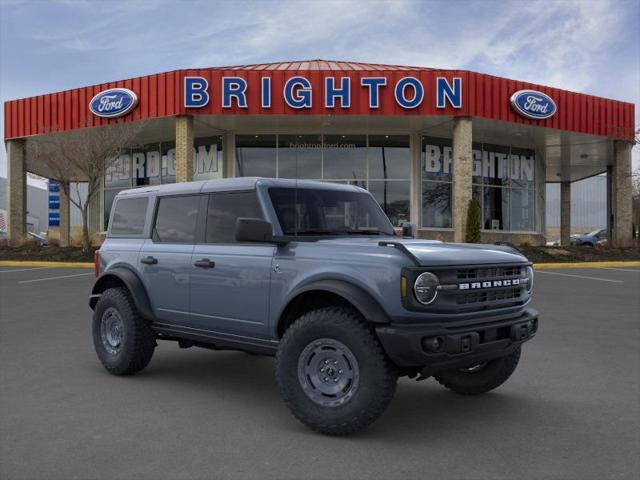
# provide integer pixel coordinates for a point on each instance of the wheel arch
(123, 277)
(329, 293)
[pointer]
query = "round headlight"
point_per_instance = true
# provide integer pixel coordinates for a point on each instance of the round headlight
(426, 288)
(529, 274)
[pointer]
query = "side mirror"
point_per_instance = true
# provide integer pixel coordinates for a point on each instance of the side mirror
(408, 230)
(254, 230)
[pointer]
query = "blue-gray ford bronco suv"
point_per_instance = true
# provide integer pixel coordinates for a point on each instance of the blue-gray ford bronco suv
(315, 274)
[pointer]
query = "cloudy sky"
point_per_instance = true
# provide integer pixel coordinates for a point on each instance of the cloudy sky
(582, 45)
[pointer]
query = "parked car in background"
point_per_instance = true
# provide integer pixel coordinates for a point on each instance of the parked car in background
(39, 239)
(590, 239)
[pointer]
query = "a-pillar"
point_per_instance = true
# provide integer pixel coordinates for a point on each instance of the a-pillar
(16, 191)
(462, 174)
(565, 213)
(184, 148)
(65, 215)
(621, 193)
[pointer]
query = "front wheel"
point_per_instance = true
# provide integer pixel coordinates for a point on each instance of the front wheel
(332, 372)
(480, 378)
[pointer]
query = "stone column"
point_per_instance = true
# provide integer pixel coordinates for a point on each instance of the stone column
(184, 148)
(462, 174)
(565, 213)
(65, 216)
(621, 183)
(16, 191)
(228, 155)
(416, 179)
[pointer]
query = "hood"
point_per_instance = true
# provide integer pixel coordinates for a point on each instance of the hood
(440, 254)
(436, 253)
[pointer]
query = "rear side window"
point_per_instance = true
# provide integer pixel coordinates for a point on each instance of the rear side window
(128, 216)
(176, 219)
(224, 209)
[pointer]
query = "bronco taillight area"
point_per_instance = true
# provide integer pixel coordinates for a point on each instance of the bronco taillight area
(96, 263)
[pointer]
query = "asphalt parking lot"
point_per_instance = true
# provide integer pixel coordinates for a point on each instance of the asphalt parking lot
(571, 410)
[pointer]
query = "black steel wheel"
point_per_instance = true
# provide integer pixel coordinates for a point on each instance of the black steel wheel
(123, 340)
(332, 372)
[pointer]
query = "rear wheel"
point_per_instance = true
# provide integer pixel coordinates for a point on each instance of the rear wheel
(332, 372)
(482, 377)
(122, 339)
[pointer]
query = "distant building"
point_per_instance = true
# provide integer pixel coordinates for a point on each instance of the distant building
(37, 207)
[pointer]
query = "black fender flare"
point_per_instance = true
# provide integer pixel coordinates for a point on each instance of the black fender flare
(355, 295)
(133, 283)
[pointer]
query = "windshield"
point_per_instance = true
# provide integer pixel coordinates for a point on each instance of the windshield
(317, 211)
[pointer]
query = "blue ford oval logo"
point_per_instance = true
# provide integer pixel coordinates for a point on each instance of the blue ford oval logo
(533, 104)
(114, 102)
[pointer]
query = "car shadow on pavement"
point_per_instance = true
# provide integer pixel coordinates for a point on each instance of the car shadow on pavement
(249, 380)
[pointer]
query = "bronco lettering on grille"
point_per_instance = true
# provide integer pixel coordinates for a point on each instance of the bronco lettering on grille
(489, 284)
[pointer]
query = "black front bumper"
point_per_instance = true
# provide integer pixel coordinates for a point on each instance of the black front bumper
(445, 346)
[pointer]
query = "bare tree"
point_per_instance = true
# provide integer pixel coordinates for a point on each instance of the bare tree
(82, 156)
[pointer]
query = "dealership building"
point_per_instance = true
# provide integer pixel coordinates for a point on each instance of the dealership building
(423, 141)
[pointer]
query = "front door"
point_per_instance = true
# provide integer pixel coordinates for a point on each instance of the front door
(230, 281)
(165, 259)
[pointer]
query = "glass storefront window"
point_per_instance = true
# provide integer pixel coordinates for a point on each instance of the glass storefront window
(256, 155)
(495, 165)
(503, 183)
(389, 157)
(168, 162)
(496, 208)
(146, 165)
(207, 158)
(522, 210)
(394, 198)
(522, 166)
(437, 161)
(300, 156)
(436, 204)
(118, 173)
(344, 157)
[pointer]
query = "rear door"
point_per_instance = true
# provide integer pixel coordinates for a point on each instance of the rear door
(165, 258)
(230, 280)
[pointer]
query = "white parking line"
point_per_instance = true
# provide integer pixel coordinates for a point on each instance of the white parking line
(24, 269)
(621, 269)
(55, 278)
(579, 276)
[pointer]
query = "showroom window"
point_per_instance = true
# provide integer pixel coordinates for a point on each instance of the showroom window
(437, 175)
(379, 163)
(503, 184)
(155, 164)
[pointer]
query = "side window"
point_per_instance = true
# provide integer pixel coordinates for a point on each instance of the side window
(176, 219)
(128, 216)
(224, 209)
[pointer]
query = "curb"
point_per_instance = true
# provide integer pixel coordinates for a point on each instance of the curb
(549, 266)
(29, 263)
(537, 266)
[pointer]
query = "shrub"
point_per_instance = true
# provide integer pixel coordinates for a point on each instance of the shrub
(472, 235)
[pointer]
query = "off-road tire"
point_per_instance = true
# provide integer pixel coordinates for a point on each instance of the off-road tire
(491, 376)
(377, 375)
(138, 341)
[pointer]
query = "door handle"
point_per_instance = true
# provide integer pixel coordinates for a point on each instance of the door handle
(149, 260)
(204, 263)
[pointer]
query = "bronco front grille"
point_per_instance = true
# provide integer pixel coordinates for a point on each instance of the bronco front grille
(486, 297)
(486, 273)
